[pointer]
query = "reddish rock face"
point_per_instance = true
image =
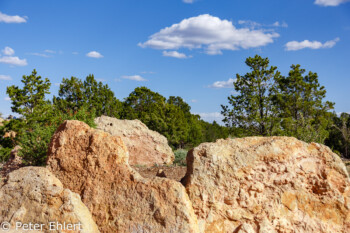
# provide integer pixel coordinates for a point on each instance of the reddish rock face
(146, 147)
(95, 165)
(272, 184)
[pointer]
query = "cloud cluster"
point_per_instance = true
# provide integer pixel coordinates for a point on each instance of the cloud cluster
(223, 84)
(295, 45)
(210, 33)
(94, 54)
(12, 19)
(175, 54)
(330, 2)
(8, 58)
(134, 78)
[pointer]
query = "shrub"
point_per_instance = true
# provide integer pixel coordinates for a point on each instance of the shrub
(180, 157)
(4, 153)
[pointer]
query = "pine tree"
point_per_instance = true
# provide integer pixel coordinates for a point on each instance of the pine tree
(252, 110)
(299, 100)
(32, 95)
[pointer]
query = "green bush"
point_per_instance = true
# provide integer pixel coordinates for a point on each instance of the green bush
(4, 154)
(180, 157)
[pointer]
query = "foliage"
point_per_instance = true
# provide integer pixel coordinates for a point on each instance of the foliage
(299, 101)
(74, 93)
(36, 139)
(268, 103)
(180, 157)
(170, 117)
(339, 138)
(252, 110)
(32, 95)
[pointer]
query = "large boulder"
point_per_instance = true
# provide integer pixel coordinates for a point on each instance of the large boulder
(95, 165)
(146, 147)
(267, 185)
(33, 195)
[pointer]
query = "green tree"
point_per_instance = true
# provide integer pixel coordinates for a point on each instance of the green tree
(299, 101)
(101, 98)
(71, 94)
(342, 127)
(74, 93)
(252, 110)
(30, 96)
(148, 107)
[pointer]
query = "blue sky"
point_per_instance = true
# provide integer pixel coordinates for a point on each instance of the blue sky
(191, 49)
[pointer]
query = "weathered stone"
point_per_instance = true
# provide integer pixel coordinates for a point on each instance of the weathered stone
(95, 165)
(161, 173)
(13, 163)
(146, 147)
(275, 184)
(33, 195)
(10, 134)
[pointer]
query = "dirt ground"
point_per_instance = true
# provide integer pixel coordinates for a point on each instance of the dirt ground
(171, 172)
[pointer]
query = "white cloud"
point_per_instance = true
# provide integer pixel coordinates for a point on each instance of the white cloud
(7, 98)
(13, 61)
(278, 24)
(252, 24)
(5, 77)
(175, 54)
(188, 1)
(211, 116)
(49, 51)
(295, 45)
(223, 84)
(210, 33)
(39, 54)
(249, 23)
(9, 59)
(148, 72)
(194, 101)
(12, 19)
(330, 2)
(134, 77)
(94, 54)
(8, 51)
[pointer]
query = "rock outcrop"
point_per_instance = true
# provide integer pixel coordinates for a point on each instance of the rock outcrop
(267, 185)
(95, 165)
(146, 147)
(13, 163)
(33, 195)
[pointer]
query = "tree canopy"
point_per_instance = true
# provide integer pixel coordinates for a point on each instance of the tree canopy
(267, 103)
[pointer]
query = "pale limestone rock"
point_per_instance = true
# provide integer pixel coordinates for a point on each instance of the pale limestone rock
(146, 147)
(275, 184)
(34, 195)
(95, 165)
